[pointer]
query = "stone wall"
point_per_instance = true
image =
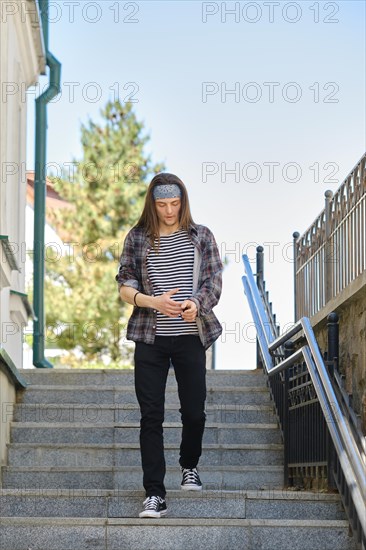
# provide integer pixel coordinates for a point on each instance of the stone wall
(352, 343)
(7, 400)
(10, 380)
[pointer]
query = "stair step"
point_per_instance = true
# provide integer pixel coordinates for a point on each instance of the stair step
(235, 478)
(129, 433)
(93, 396)
(124, 377)
(134, 534)
(74, 471)
(104, 413)
(79, 454)
(182, 504)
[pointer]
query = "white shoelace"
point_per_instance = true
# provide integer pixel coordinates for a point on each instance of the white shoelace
(190, 476)
(152, 502)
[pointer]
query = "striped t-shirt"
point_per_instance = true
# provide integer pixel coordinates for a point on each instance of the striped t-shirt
(172, 268)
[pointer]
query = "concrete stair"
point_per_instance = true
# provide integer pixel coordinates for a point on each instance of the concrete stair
(74, 481)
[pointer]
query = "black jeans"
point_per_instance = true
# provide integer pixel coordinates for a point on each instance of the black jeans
(151, 369)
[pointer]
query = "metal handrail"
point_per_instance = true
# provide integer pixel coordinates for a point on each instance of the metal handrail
(349, 457)
(330, 254)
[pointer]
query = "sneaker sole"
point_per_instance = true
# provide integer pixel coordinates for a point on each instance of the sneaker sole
(191, 488)
(151, 514)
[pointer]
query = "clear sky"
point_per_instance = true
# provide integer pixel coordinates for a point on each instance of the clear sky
(259, 107)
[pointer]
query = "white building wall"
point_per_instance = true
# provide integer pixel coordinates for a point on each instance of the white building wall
(22, 61)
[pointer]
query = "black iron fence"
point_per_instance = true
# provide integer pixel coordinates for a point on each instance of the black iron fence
(310, 458)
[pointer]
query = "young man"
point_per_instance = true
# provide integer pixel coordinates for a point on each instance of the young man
(171, 271)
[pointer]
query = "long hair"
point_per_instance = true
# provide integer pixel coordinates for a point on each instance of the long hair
(149, 220)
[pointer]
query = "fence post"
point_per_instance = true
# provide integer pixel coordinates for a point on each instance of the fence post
(295, 236)
(259, 279)
(333, 358)
(328, 265)
(333, 341)
(288, 350)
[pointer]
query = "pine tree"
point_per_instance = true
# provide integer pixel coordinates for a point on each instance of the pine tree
(105, 193)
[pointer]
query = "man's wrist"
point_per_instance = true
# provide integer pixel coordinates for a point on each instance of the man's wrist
(195, 301)
(144, 300)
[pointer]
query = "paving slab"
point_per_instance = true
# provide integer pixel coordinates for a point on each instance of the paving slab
(125, 432)
(173, 534)
(128, 454)
(237, 478)
(107, 413)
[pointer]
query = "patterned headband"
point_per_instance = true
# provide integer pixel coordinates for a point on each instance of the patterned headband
(166, 191)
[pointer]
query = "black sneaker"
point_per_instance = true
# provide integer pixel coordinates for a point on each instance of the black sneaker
(154, 507)
(191, 480)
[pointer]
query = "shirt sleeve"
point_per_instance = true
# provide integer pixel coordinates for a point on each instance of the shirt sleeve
(127, 274)
(209, 291)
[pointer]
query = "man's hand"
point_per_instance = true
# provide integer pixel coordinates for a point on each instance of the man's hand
(166, 305)
(189, 310)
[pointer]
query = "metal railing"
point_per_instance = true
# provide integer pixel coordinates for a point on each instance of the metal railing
(332, 251)
(281, 362)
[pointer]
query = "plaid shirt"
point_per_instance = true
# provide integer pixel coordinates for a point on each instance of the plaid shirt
(207, 283)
